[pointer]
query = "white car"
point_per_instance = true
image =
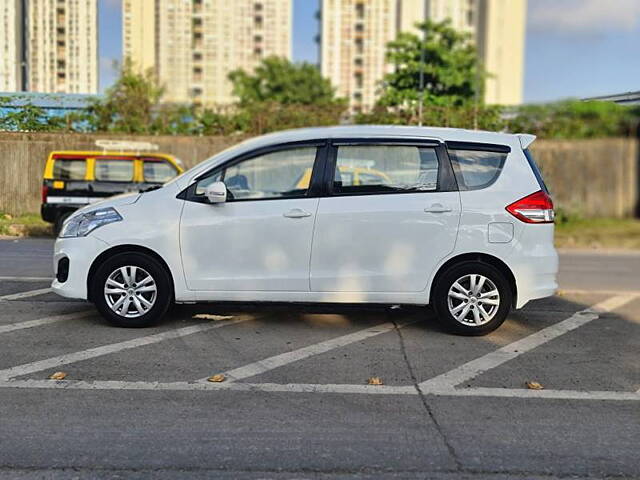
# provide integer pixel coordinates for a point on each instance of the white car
(457, 219)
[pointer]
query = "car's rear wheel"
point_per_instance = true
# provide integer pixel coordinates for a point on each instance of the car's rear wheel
(472, 298)
(131, 290)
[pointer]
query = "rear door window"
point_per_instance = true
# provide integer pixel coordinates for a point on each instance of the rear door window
(114, 170)
(158, 170)
(69, 168)
(385, 169)
(476, 169)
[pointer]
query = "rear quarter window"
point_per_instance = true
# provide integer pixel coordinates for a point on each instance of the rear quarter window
(476, 169)
(69, 168)
(536, 170)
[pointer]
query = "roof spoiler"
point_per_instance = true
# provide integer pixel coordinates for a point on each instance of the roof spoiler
(526, 139)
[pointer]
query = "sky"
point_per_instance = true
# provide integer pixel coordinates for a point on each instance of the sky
(574, 48)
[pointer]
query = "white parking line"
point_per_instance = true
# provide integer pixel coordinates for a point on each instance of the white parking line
(26, 279)
(45, 321)
(472, 369)
(552, 394)
(30, 293)
(53, 362)
(321, 388)
(609, 293)
(199, 386)
(262, 366)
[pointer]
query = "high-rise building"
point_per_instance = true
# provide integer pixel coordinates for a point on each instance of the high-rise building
(11, 46)
(355, 33)
(193, 45)
(62, 50)
(49, 46)
(139, 32)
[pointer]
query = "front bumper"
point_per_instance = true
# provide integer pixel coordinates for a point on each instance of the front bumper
(81, 253)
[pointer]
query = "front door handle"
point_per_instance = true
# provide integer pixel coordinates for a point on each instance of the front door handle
(297, 213)
(437, 208)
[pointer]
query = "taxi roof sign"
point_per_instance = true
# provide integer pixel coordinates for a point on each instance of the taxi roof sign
(126, 146)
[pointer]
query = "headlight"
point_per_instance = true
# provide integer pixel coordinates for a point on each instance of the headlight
(81, 225)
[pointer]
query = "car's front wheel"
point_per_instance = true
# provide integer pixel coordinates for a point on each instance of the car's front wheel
(472, 298)
(131, 290)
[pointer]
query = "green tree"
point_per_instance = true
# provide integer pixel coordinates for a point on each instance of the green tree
(452, 73)
(27, 117)
(280, 81)
(129, 104)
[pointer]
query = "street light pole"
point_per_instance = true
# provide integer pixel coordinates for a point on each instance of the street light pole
(422, 61)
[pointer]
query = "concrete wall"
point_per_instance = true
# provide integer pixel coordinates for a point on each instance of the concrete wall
(23, 156)
(591, 178)
(588, 177)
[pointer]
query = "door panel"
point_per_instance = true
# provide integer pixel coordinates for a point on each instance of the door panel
(381, 243)
(260, 239)
(248, 245)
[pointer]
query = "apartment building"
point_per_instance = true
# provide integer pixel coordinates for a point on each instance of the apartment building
(193, 45)
(49, 46)
(11, 49)
(354, 35)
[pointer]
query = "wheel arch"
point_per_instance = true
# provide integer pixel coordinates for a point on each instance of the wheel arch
(495, 262)
(127, 249)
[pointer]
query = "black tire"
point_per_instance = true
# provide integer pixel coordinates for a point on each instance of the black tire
(454, 273)
(164, 290)
(57, 226)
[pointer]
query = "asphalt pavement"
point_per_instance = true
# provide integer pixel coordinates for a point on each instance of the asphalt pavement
(296, 403)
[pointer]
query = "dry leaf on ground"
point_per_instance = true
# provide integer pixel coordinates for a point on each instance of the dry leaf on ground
(217, 378)
(58, 376)
(375, 381)
(534, 386)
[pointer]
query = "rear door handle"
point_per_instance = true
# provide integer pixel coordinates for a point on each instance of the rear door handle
(297, 213)
(437, 208)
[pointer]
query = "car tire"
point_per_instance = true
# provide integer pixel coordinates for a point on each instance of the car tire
(472, 298)
(131, 290)
(57, 226)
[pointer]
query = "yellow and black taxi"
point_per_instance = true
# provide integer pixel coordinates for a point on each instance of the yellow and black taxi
(73, 179)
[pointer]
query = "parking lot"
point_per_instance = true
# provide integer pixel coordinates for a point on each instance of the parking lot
(296, 402)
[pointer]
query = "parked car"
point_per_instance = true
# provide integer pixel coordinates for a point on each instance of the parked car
(464, 223)
(350, 176)
(73, 179)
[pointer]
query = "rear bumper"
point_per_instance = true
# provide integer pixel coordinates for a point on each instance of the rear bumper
(536, 276)
(81, 253)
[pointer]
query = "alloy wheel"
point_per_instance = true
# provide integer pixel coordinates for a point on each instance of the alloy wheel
(130, 291)
(473, 300)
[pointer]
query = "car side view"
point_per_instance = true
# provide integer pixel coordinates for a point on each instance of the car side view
(457, 219)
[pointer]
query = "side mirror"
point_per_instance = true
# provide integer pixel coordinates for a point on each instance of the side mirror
(216, 192)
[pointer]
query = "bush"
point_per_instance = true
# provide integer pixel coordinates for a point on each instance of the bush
(483, 117)
(575, 119)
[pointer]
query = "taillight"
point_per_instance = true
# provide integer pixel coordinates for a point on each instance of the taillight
(534, 208)
(45, 192)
